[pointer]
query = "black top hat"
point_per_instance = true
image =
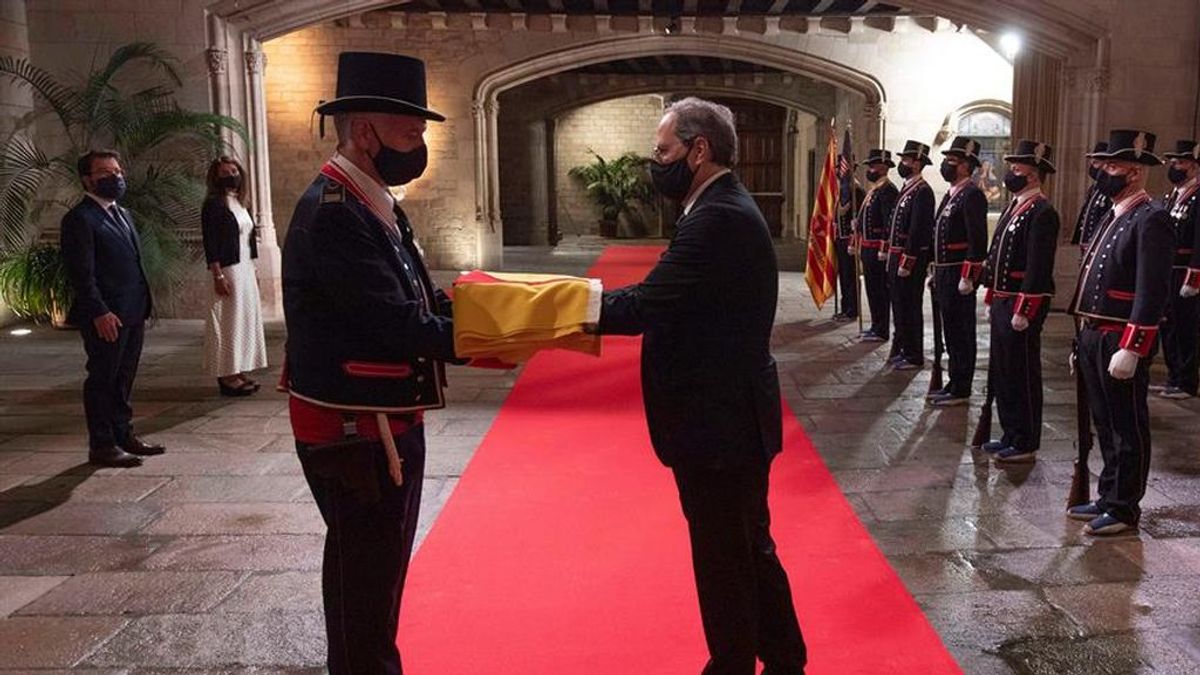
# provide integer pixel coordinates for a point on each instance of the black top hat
(382, 83)
(878, 155)
(1101, 146)
(1129, 145)
(917, 150)
(962, 146)
(1033, 153)
(1185, 149)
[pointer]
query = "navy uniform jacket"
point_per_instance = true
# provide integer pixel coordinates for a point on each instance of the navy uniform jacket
(960, 231)
(845, 223)
(104, 261)
(911, 230)
(1095, 205)
(366, 329)
(1124, 277)
(875, 216)
(1184, 208)
(706, 310)
(1020, 262)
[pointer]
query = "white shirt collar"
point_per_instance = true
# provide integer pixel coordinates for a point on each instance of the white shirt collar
(381, 200)
(687, 208)
(104, 203)
(1028, 193)
(1123, 206)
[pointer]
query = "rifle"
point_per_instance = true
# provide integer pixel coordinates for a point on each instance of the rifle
(935, 380)
(983, 430)
(1080, 489)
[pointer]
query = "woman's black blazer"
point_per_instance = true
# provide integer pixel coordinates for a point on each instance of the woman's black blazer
(219, 227)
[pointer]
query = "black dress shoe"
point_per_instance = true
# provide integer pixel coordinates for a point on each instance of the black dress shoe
(136, 446)
(113, 456)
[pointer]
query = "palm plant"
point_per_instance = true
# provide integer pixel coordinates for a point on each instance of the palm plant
(127, 104)
(619, 187)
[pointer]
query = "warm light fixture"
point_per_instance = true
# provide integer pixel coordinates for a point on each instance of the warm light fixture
(20, 332)
(1010, 44)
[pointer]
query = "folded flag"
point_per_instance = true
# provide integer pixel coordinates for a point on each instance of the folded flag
(511, 316)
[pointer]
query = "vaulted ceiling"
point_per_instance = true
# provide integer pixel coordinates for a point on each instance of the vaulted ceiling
(818, 8)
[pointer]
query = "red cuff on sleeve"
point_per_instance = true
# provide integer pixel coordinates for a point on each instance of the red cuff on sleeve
(1139, 339)
(1192, 278)
(1028, 305)
(987, 297)
(907, 261)
(972, 270)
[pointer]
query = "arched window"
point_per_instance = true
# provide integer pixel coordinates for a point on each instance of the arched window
(991, 126)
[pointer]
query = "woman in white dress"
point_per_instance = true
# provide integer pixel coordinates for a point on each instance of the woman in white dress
(233, 337)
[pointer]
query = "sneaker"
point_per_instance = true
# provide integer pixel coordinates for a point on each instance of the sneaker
(873, 337)
(1174, 393)
(993, 446)
(893, 360)
(1011, 455)
(1089, 511)
(940, 392)
(1106, 525)
(904, 364)
(948, 400)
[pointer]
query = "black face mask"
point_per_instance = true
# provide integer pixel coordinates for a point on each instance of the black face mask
(111, 187)
(874, 175)
(396, 167)
(229, 182)
(1015, 183)
(905, 171)
(949, 172)
(1176, 175)
(1112, 184)
(672, 180)
(1094, 172)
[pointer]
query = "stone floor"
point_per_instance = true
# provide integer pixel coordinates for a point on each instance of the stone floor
(206, 560)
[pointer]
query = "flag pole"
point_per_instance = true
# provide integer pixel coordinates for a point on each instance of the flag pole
(853, 232)
(834, 224)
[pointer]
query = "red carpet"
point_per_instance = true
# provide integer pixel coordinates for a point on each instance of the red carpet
(563, 550)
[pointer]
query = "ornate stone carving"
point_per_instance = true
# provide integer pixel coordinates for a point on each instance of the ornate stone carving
(256, 62)
(217, 60)
(1091, 80)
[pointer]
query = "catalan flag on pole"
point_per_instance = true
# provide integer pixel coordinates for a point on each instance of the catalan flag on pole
(821, 269)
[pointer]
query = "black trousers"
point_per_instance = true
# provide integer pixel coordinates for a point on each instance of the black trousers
(1180, 334)
(1015, 374)
(111, 369)
(846, 275)
(875, 279)
(1122, 420)
(745, 599)
(958, 328)
(908, 310)
(371, 525)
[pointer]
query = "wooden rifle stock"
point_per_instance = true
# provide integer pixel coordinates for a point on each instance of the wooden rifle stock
(1080, 481)
(935, 379)
(983, 430)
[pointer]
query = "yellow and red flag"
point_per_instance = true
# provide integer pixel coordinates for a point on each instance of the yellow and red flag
(821, 268)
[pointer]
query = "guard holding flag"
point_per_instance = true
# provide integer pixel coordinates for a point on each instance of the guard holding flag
(871, 240)
(1120, 296)
(850, 195)
(910, 236)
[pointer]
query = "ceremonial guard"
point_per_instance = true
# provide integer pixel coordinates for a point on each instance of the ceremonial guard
(1019, 277)
(1095, 204)
(843, 246)
(367, 335)
(959, 248)
(909, 239)
(1181, 323)
(871, 241)
(1120, 296)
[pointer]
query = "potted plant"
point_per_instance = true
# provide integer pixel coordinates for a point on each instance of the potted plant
(34, 284)
(128, 104)
(618, 187)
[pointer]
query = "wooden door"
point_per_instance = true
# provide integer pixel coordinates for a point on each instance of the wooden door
(761, 146)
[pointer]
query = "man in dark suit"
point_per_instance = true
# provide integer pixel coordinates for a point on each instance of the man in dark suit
(711, 388)
(102, 253)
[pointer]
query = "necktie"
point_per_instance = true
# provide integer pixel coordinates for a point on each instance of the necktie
(115, 214)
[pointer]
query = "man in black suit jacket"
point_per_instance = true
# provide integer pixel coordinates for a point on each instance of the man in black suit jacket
(101, 250)
(711, 388)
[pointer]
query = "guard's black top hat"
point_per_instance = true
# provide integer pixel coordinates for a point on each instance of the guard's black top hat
(1129, 145)
(382, 83)
(917, 150)
(1185, 149)
(1101, 146)
(1033, 153)
(963, 146)
(878, 155)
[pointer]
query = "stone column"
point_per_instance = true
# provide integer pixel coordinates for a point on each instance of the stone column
(269, 258)
(219, 85)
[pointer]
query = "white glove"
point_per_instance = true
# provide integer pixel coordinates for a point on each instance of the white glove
(1123, 364)
(965, 287)
(1188, 292)
(1071, 362)
(882, 255)
(1019, 323)
(904, 273)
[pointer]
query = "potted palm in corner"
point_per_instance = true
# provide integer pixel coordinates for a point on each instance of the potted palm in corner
(619, 187)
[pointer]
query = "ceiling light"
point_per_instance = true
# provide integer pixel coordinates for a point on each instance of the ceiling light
(1010, 44)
